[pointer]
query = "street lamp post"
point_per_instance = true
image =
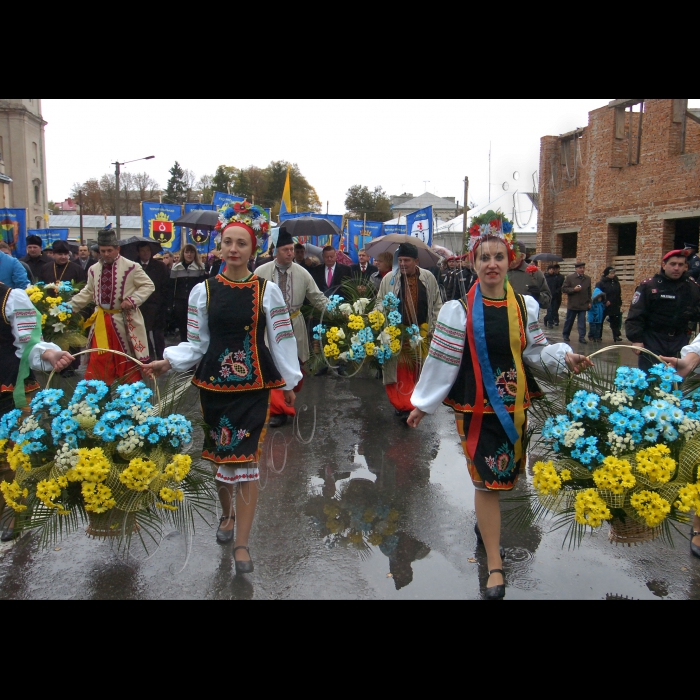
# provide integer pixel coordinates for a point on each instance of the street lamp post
(117, 173)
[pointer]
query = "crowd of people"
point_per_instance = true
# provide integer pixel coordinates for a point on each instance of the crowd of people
(239, 321)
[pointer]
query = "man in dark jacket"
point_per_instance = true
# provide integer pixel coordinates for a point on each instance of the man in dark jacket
(528, 280)
(35, 258)
(577, 287)
(61, 269)
(610, 286)
(155, 309)
(662, 308)
(363, 267)
(330, 275)
(555, 281)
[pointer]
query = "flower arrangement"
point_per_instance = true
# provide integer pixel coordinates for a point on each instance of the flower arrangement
(101, 456)
(491, 224)
(59, 324)
(627, 453)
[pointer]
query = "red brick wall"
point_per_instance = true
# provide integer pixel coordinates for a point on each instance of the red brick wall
(663, 181)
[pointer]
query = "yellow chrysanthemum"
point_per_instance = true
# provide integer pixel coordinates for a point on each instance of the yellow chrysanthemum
(376, 320)
(546, 479)
(16, 458)
(614, 475)
(689, 499)
(179, 468)
(97, 497)
(565, 475)
(12, 491)
(369, 349)
(331, 350)
(2, 445)
(395, 346)
(650, 506)
(92, 466)
(47, 491)
(655, 464)
(590, 509)
(356, 323)
(170, 495)
(139, 474)
(62, 316)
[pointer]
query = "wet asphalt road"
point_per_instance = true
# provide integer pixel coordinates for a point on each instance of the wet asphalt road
(411, 490)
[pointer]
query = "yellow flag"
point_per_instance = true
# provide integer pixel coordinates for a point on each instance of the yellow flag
(286, 206)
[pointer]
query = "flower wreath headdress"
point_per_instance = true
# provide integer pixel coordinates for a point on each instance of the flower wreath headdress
(492, 225)
(249, 216)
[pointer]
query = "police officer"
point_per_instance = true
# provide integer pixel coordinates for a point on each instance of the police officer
(662, 308)
(693, 261)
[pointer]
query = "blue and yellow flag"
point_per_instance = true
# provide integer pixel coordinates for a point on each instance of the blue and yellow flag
(286, 205)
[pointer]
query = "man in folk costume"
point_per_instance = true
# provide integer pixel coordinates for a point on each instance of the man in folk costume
(420, 304)
(297, 285)
(117, 287)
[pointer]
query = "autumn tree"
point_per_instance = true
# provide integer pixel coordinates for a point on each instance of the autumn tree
(303, 194)
(374, 204)
(224, 177)
(145, 187)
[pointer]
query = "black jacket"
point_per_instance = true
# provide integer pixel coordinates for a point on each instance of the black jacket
(555, 283)
(341, 273)
(356, 272)
(52, 271)
(160, 276)
(662, 305)
(613, 292)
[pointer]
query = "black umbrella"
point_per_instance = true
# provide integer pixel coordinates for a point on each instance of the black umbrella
(547, 257)
(201, 219)
(130, 247)
(310, 226)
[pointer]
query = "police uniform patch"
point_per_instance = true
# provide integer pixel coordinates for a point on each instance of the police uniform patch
(636, 298)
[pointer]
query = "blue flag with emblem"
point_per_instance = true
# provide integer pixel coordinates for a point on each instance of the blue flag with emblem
(13, 229)
(157, 223)
(360, 234)
(419, 224)
(222, 200)
(48, 235)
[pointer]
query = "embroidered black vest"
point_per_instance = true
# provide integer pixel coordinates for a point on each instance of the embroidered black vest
(10, 362)
(504, 367)
(237, 358)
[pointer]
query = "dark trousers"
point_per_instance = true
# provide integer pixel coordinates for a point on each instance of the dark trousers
(181, 318)
(154, 331)
(595, 331)
(552, 317)
(663, 345)
(614, 317)
(569, 323)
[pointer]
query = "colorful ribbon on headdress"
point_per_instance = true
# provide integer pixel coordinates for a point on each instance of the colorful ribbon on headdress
(476, 336)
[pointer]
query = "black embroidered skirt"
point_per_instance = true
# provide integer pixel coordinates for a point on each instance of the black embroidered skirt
(235, 429)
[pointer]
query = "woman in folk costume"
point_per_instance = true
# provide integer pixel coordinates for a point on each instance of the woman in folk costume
(475, 366)
(22, 350)
(296, 285)
(229, 318)
(117, 287)
(420, 304)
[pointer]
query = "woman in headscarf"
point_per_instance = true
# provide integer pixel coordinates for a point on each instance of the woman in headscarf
(475, 366)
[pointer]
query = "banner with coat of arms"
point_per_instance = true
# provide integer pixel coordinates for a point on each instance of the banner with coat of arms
(220, 200)
(420, 225)
(157, 223)
(201, 240)
(360, 234)
(48, 236)
(13, 229)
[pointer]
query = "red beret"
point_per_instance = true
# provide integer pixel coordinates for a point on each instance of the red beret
(676, 254)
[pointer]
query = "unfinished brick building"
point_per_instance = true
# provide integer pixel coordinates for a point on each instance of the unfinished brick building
(623, 190)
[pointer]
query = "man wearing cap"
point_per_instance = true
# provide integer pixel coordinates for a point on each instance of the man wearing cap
(528, 282)
(13, 273)
(577, 287)
(61, 269)
(34, 257)
(297, 285)
(662, 307)
(117, 287)
(420, 304)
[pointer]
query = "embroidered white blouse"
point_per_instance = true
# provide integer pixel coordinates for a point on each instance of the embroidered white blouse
(280, 339)
(447, 347)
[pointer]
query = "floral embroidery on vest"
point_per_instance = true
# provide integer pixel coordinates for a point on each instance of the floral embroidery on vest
(236, 366)
(226, 437)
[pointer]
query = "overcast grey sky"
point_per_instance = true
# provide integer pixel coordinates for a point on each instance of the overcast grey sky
(398, 144)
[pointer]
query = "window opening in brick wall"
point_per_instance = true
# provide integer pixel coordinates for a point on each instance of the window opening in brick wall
(687, 232)
(629, 122)
(569, 245)
(35, 153)
(626, 238)
(36, 194)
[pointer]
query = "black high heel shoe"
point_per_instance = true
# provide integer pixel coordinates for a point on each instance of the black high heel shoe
(694, 548)
(496, 592)
(243, 567)
(225, 536)
(480, 540)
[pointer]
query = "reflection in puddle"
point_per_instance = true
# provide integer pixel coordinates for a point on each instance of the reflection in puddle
(361, 510)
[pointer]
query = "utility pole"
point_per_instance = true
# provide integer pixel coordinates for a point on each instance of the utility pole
(464, 216)
(80, 204)
(117, 173)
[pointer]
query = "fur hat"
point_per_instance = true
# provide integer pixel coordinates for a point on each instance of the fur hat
(35, 240)
(60, 247)
(408, 250)
(108, 237)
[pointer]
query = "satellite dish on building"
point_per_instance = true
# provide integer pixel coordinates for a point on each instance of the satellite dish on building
(516, 175)
(505, 186)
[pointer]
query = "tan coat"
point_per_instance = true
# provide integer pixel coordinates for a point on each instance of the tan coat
(434, 306)
(129, 282)
(302, 287)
